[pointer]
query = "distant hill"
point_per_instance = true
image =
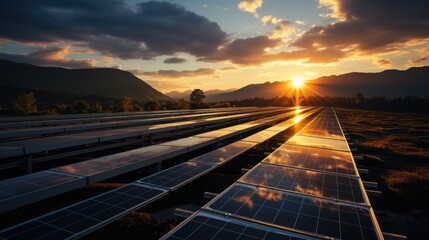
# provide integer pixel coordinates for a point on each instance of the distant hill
(208, 93)
(106, 82)
(389, 83)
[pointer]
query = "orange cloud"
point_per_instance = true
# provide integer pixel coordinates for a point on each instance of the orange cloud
(250, 6)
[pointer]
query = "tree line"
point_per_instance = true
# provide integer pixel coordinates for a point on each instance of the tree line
(26, 104)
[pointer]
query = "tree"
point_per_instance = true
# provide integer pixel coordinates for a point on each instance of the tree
(359, 98)
(25, 103)
(152, 106)
(63, 108)
(80, 106)
(97, 107)
(127, 104)
(183, 104)
(197, 96)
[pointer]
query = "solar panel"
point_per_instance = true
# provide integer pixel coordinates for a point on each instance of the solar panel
(332, 144)
(113, 165)
(293, 211)
(260, 136)
(307, 182)
(224, 154)
(218, 134)
(313, 158)
(324, 125)
(209, 226)
(19, 191)
(190, 142)
(11, 151)
(177, 176)
(75, 220)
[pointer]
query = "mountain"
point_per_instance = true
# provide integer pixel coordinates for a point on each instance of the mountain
(208, 93)
(179, 95)
(389, 83)
(107, 82)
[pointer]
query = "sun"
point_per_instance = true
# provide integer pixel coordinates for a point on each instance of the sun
(298, 82)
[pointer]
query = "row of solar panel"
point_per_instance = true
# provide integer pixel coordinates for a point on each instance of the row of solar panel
(18, 148)
(83, 217)
(67, 129)
(26, 189)
(106, 118)
(105, 115)
(306, 186)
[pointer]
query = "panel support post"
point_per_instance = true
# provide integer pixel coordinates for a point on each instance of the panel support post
(29, 163)
(154, 168)
(151, 139)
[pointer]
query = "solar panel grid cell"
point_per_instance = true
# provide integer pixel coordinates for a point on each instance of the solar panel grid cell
(325, 143)
(178, 175)
(313, 158)
(313, 215)
(324, 126)
(91, 213)
(212, 227)
(306, 181)
(223, 154)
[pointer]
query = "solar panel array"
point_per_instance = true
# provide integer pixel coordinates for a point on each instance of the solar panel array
(31, 146)
(74, 125)
(99, 169)
(309, 186)
(93, 213)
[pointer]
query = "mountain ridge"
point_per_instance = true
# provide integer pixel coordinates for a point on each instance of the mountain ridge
(107, 82)
(389, 83)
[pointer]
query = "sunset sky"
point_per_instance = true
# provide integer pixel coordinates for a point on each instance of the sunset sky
(218, 44)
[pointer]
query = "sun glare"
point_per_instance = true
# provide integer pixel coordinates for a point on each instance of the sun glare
(298, 82)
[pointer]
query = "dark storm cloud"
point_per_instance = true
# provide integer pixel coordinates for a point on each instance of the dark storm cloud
(47, 57)
(366, 27)
(174, 60)
(150, 29)
(370, 26)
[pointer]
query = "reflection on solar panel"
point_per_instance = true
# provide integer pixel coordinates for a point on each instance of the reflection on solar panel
(223, 154)
(313, 158)
(294, 211)
(308, 186)
(179, 175)
(324, 126)
(305, 181)
(113, 165)
(191, 142)
(260, 136)
(87, 215)
(25, 189)
(211, 227)
(320, 143)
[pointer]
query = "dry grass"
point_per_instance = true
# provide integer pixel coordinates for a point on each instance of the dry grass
(409, 182)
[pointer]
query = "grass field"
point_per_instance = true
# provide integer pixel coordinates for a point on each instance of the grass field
(395, 147)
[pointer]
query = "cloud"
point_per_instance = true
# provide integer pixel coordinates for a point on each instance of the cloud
(174, 60)
(178, 74)
(245, 51)
(418, 61)
(383, 62)
(266, 20)
(250, 6)
(112, 27)
(284, 28)
(368, 27)
(53, 56)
